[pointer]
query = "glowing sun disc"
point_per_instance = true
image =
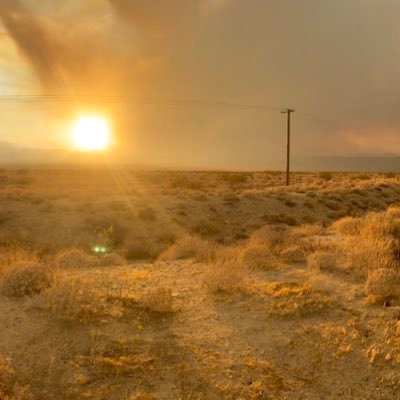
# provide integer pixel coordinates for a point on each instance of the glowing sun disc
(91, 134)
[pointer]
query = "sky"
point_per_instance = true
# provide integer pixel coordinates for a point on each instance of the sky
(336, 62)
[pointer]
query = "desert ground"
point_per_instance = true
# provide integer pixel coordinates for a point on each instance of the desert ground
(123, 284)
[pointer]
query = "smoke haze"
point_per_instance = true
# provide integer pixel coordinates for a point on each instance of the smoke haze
(335, 61)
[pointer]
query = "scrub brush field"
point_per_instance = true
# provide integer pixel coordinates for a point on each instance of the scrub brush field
(137, 285)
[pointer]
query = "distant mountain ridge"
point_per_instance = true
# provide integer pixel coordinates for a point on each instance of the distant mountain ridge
(15, 154)
(11, 153)
(386, 163)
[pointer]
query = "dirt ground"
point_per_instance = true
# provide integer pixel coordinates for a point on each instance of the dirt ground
(147, 326)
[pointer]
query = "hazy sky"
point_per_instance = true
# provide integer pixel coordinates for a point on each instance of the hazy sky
(337, 62)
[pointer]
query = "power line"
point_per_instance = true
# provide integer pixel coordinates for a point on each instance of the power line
(321, 120)
(170, 102)
(133, 100)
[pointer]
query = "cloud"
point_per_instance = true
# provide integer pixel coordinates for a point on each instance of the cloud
(371, 140)
(82, 52)
(163, 18)
(157, 17)
(35, 39)
(307, 54)
(68, 55)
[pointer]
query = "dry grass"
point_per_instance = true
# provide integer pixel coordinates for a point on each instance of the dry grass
(107, 333)
(78, 258)
(383, 285)
(293, 254)
(376, 245)
(158, 299)
(73, 300)
(74, 258)
(284, 243)
(140, 250)
(12, 255)
(296, 299)
(225, 277)
(274, 237)
(326, 176)
(26, 279)
(110, 259)
(142, 396)
(190, 247)
(255, 255)
(372, 247)
(348, 226)
(307, 230)
(10, 388)
(7, 377)
(325, 261)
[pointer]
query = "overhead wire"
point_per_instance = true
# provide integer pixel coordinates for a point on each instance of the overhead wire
(133, 100)
(158, 101)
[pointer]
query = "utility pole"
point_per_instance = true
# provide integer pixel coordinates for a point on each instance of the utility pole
(288, 111)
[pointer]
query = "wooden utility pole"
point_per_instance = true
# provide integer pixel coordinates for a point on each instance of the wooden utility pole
(288, 111)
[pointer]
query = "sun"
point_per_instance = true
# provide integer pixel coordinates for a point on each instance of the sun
(91, 133)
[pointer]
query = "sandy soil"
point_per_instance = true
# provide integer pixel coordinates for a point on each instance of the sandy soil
(244, 345)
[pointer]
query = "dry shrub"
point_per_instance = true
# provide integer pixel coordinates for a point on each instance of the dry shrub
(7, 377)
(147, 214)
(110, 259)
(383, 284)
(284, 242)
(182, 182)
(20, 392)
(363, 176)
(375, 250)
(255, 255)
(274, 237)
(77, 258)
(394, 210)
(207, 228)
(319, 280)
(296, 299)
(287, 289)
(114, 366)
(325, 175)
(332, 205)
(377, 243)
(158, 299)
(74, 301)
(377, 224)
(293, 254)
(26, 279)
(308, 230)
(227, 253)
(225, 276)
(348, 226)
(12, 255)
(120, 360)
(10, 389)
(324, 261)
(233, 178)
(138, 249)
(74, 258)
(363, 255)
(142, 396)
(311, 244)
(190, 247)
